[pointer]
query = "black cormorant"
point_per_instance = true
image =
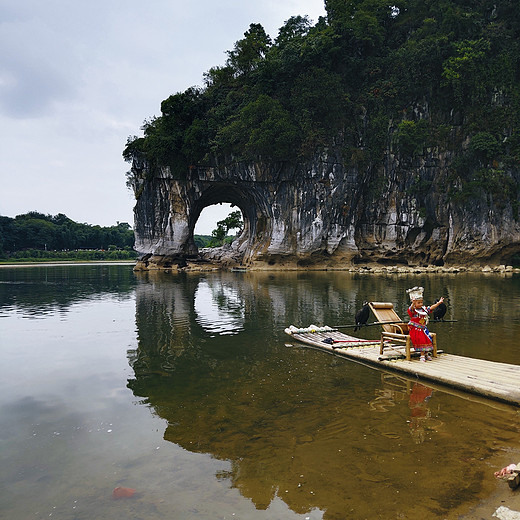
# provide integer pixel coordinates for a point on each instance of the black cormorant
(362, 316)
(440, 311)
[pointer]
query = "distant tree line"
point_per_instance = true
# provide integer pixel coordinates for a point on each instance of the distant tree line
(78, 255)
(37, 236)
(369, 77)
(40, 236)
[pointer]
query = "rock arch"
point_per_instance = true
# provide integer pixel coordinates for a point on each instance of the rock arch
(167, 211)
(321, 214)
(252, 203)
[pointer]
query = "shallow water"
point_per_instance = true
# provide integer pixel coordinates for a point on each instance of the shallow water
(185, 388)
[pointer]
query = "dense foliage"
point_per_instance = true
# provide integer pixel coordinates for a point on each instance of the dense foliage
(219, 235)
(37, 235)
(369, 77)
(77, 255)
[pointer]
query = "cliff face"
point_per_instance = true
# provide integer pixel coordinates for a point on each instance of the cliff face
(329, 212)
(397, 130)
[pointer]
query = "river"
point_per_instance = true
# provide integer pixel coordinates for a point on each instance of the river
(185, 388)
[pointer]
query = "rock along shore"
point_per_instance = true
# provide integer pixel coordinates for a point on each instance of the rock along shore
(223, 265)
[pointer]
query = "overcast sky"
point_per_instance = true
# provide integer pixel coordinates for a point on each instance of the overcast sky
(77, 78)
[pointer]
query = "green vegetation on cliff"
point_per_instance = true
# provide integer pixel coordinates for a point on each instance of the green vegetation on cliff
(368, 78)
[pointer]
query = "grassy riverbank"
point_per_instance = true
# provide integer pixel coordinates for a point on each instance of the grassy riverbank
(66, 262)
(36, 256)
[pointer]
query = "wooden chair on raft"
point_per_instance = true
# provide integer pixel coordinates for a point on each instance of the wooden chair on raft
(395, 332)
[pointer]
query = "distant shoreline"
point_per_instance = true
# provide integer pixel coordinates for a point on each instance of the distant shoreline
(361, 269)
(67, 262)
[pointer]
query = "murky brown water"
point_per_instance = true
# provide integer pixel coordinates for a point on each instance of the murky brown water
(185, 388)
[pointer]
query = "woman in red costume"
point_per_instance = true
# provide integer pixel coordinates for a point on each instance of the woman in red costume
(419, 315)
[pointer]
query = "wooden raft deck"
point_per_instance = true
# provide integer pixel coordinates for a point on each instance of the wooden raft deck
(497, 381)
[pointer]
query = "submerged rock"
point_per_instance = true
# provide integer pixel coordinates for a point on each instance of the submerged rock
(123, 492)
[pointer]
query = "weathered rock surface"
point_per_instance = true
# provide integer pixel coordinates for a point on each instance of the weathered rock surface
(327, 213)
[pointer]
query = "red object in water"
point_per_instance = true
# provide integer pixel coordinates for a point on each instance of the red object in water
(123, 492)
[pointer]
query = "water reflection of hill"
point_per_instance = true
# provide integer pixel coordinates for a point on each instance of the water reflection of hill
(318, 432)
(44, 289)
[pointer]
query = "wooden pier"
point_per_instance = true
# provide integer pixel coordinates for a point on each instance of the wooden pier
(491, 380)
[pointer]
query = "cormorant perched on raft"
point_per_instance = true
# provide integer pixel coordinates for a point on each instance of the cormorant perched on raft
(362, 316)
(439, 312)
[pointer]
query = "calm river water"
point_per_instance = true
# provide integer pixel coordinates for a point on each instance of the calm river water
(185, 388)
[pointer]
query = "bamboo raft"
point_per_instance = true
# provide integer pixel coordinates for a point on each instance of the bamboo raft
(489, 379)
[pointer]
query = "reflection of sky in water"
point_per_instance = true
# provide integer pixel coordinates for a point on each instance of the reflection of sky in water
(219, 308)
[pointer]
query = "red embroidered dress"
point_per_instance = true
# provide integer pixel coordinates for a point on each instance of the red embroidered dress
(419, 334)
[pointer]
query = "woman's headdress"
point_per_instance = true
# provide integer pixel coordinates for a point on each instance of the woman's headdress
(415, 293)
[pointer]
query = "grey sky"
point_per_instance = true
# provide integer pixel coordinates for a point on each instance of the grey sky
(77, 78)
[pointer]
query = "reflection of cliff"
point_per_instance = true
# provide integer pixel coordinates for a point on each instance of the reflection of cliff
(230, 388)
(174, 314)
(293, 422)
(163, 325)
(281, 435)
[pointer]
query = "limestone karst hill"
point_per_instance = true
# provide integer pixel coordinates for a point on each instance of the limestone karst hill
(378, 134)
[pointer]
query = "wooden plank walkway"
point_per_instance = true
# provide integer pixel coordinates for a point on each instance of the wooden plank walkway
(489, 379)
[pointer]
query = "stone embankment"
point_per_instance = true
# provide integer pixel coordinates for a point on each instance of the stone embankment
(217, 261)
(433, 269)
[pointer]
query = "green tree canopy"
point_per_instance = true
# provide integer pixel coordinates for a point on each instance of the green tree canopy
(353, 80)
(232, 221)
(249, 52)
(35, 230)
